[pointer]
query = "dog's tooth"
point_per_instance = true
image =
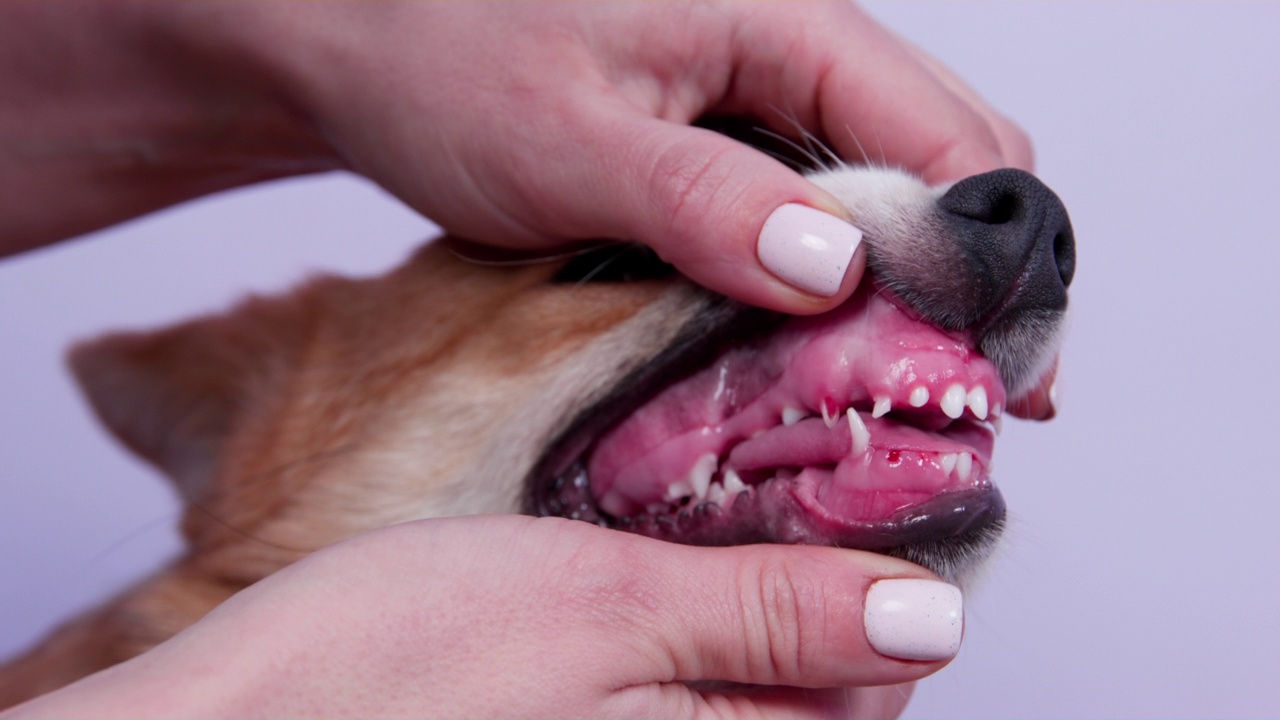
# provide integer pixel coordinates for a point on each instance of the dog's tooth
(791, 416)
(996, 411)
(830, 417)
(858, 430)
(919, 396)
(952, 402)
(732, 483)
(699, 479)
(678, 490)
(964, 466)
(716, 493)
(656, 508)
(977, 402)
(883, 406)
(948, 461)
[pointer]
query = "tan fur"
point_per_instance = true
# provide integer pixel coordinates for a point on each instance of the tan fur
(294, 422)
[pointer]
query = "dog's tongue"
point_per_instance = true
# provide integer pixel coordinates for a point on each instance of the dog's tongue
(806, 409)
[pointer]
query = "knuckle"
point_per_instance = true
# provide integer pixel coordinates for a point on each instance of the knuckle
(789, 616)
(688, 182)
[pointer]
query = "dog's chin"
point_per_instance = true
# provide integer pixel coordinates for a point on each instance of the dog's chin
(862, 428)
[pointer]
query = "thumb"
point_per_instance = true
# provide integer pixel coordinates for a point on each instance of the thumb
(796, 616)
(728, 216)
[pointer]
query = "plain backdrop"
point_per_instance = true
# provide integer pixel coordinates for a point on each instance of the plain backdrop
(1139, 576)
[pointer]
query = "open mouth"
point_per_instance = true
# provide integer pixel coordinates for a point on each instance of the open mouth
(864, 427)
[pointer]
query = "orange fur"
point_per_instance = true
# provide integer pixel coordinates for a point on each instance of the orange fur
(294, 422)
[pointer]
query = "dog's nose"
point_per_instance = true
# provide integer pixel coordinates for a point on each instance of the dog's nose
(1016, 234)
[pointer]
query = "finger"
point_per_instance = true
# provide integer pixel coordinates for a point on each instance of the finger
(847, 77)
(785, 616)
(729, 217)
(1015, 144)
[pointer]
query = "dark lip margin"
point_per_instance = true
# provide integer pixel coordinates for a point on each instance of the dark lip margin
(953, 519)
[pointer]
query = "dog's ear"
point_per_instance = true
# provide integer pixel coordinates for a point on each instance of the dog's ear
(174, 396)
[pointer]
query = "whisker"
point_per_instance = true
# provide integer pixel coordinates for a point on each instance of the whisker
(835, 159)
(813, 146)
(132, 535)
(245, 534)
(268, 476)
(531, 260)
(597, 269)
(866, 159)
(795, 164)
(813, 159)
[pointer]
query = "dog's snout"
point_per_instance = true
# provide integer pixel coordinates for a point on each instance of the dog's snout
(1016, 236)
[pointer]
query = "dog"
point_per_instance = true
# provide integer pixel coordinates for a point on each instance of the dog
(602, 387)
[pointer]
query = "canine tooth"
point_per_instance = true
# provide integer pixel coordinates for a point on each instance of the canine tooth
(716, 493)
(791, 416)
(952, 402)
(949, 462)
(883, 406)
(677, 490)
(964, 466)
(732, 483)
(997, 410)
(700, 475)
(919, 396)
(977, 402)
(828, 416)
(858, 430)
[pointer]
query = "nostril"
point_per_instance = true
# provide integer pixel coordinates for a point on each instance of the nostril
(1064, 256)
(998, 208)
(1014, 241)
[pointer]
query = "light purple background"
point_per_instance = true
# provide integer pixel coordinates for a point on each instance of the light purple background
(1139, 578)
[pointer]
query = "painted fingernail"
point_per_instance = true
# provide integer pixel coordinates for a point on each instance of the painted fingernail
(911, 619)
(808, 248)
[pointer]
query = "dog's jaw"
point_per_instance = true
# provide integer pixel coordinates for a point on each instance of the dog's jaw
(863, 428)
(763, 468)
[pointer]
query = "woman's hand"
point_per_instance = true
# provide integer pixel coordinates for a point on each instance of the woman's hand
(511, 616)
(521, 125)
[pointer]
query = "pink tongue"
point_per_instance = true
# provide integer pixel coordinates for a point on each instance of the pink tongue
(731, 416)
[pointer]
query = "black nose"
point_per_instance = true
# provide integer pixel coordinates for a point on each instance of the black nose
(1015, 233)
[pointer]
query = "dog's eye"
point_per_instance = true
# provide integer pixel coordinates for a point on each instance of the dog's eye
(614, 264)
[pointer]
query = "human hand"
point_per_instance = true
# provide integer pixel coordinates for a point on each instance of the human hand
(531, 125)
(516, 616)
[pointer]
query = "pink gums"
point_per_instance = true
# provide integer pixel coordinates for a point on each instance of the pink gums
(730, 417)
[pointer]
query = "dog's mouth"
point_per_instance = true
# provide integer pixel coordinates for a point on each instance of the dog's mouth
(865, 428)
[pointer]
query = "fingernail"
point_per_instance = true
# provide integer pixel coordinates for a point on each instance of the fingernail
(807, 248)
(911, 619)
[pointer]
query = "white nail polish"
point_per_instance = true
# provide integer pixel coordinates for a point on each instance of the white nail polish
(911, 619)
(808, 248)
